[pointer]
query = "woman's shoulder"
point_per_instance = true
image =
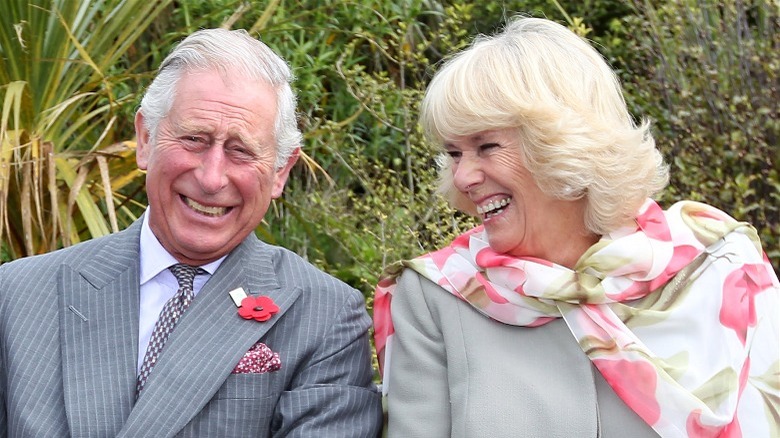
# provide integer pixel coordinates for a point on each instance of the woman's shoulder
(414, 293)
(411, 281)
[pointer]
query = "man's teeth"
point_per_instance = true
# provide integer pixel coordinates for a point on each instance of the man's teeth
(209, 211)
(492, 206)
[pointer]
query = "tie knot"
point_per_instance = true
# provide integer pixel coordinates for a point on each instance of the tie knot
(185, 274)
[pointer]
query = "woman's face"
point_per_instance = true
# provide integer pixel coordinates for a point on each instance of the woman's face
(519, 218)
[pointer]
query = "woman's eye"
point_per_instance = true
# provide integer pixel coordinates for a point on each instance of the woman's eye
(488, 146)
(454, 154)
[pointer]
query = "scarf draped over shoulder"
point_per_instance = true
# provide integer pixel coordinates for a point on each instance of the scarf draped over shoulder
(680, 314)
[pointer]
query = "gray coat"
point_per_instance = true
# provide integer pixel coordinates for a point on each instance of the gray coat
(454, 372)
(69, 337)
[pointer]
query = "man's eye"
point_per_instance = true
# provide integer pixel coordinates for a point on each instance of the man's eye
(242, 152)
(194, 139)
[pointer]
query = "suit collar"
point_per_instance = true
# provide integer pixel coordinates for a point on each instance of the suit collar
(117, 253)
(155, 258)
(208, 342)
(99, 333)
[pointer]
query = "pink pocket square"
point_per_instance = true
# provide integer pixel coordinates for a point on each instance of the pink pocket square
(259, 359)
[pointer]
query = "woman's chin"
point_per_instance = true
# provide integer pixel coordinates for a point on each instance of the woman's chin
(499, 243)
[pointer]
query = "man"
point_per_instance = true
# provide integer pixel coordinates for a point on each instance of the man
(105, 339)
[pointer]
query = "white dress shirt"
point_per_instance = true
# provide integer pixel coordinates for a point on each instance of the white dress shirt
(158, 284)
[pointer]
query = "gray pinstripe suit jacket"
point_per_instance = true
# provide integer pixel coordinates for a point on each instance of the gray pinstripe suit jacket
(69, 336)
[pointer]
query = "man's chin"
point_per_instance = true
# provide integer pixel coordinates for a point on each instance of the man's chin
(203, 253)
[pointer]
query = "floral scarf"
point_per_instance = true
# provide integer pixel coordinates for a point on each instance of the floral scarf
(694, 354)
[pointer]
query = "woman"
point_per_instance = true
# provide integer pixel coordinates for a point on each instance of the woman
(579, 308)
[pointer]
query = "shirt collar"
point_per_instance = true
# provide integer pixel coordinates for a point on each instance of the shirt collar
(154, 257)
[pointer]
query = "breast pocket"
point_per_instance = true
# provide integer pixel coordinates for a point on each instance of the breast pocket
(251, 386)
(243, 406)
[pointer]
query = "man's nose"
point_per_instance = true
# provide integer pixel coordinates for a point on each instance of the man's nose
(212, 173)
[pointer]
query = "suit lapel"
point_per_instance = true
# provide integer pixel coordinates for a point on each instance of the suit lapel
(207, 343)
(99, 335)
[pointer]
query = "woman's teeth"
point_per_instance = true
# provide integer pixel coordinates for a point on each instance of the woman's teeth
(208, 211)
(493, 207)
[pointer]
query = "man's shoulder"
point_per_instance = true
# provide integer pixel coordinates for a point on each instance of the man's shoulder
(295, 271)
(285, 259)
(76, 255)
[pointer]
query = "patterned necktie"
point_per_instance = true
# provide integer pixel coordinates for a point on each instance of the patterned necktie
(169, 316)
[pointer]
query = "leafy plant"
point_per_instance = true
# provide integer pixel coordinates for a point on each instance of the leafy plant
(364, 193)
(61, 163)
(707, 73)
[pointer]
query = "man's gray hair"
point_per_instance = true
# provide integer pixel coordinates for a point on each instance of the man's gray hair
(226, 51)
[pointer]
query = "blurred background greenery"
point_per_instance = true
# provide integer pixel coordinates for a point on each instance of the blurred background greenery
(705, 71)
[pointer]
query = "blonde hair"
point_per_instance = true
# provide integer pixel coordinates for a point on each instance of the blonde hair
(576, 135)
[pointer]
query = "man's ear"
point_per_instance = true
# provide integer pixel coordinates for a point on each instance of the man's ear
(282, 173)
(143, 146)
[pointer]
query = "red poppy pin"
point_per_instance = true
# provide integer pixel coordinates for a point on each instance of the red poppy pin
(260, 308)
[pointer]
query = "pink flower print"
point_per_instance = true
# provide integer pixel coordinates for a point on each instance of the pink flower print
(653, 222)
(599, 322)
(737, 310)
(383, 325)
(681, 257)
(487, 258)
(441, 256)
(707, 212)
(490, 291)
(462, 241)
(540, 321)
(743, 375)
(634, 382)
(695, 428)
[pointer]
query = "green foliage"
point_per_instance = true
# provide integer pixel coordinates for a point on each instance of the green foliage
(359, 88)
(61, 162)
(363, 196)
(707, 73)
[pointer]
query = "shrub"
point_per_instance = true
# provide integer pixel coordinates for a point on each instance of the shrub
(707, 73)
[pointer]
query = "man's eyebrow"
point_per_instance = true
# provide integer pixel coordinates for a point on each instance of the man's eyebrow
(245, 139)
(189, 127)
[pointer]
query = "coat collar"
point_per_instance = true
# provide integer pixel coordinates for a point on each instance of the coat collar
(99, 334)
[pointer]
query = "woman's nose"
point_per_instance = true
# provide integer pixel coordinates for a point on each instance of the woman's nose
(467, 173)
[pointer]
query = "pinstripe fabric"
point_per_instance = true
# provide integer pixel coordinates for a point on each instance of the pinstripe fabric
(60, 318)
(68, 328)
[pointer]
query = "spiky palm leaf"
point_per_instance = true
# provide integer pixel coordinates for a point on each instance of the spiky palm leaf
(60, 100)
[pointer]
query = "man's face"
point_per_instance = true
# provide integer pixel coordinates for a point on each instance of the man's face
(210, 171)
